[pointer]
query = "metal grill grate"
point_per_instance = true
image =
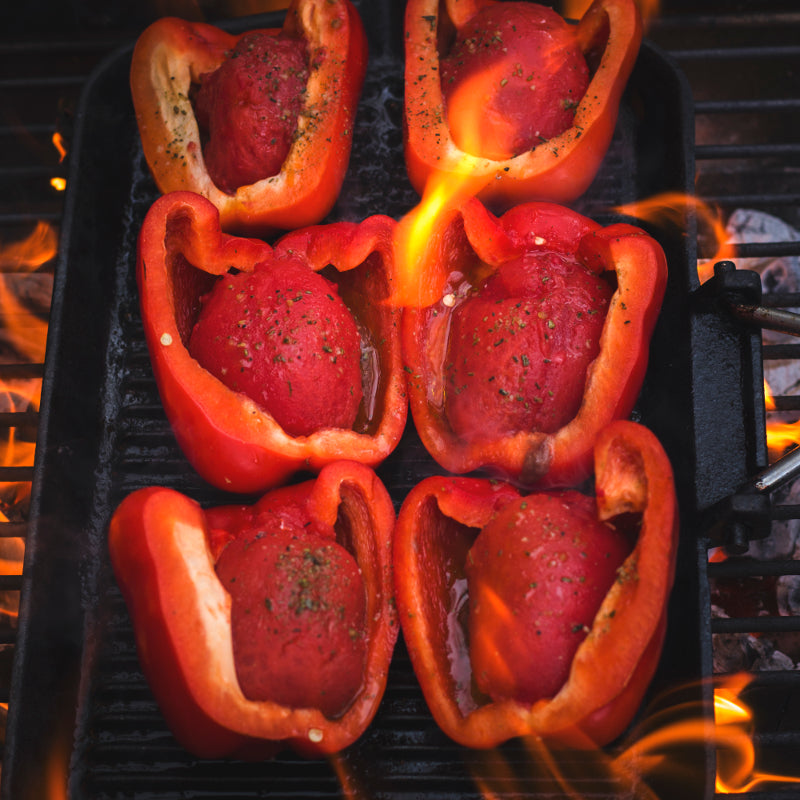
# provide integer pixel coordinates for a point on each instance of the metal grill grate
(742, 64)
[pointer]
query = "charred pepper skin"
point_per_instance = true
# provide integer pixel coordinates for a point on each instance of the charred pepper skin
(162, 552)
(172, 54)
(615, 663)
(529, 457)
(560, 169)
(232, 442)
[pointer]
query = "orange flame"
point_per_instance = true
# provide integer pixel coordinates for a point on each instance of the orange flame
(466, 116)
(420, 277)
(655, 750)
(29, 254)
(58, 141)
(671, 208)
(780, 435)
(769, 397)
(27, 332)
(731, 735)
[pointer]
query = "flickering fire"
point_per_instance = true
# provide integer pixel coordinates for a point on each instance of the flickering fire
(672, 208)
(420, 278)
(780, 435)
(27, 333)
(655, 748)
(731, 735)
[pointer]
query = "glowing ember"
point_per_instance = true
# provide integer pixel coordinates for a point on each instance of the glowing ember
(59, 184)
(58, 141)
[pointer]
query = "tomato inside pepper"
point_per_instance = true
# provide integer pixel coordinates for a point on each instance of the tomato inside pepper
(262, 626)
(520, 345)
(536, 575)
(538, 337)
(285, 338)
(539, 614)
(538, 76)
(248, 108)
(297, 614)
(511, 150)
(290, 360)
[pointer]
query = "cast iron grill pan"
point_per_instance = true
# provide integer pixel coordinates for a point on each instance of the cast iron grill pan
(81, 705)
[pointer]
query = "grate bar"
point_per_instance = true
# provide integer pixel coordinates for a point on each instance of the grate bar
(750, 200)
(16, 474)
(777, 52)
(21, 371)
(747, 568)
(774, 352)
(719, 151)
(768, 250)
(13, 530)
(759, 105)
(28, 218)
(755, 625)
(10, 583)
(785, 403)
(34, 83)
(14, 419)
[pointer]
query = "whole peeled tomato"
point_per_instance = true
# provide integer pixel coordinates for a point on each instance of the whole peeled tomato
(537, 575)
(297, 616)
(248, 109)
(520, 345)
(520, 64)
(284, 337)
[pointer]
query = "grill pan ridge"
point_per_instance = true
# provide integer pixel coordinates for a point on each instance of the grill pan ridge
(82, 706)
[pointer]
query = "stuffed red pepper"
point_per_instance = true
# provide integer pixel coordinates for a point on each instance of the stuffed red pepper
(509, 97)
(260, 123)
(538, 338)
(266, 626)
(270, 360)
(540, 614)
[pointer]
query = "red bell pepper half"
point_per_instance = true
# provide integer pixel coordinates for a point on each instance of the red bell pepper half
(438, 544)
(165, 550)
(510, 369)
(232, 441)
(558, 168)
(170, 59)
